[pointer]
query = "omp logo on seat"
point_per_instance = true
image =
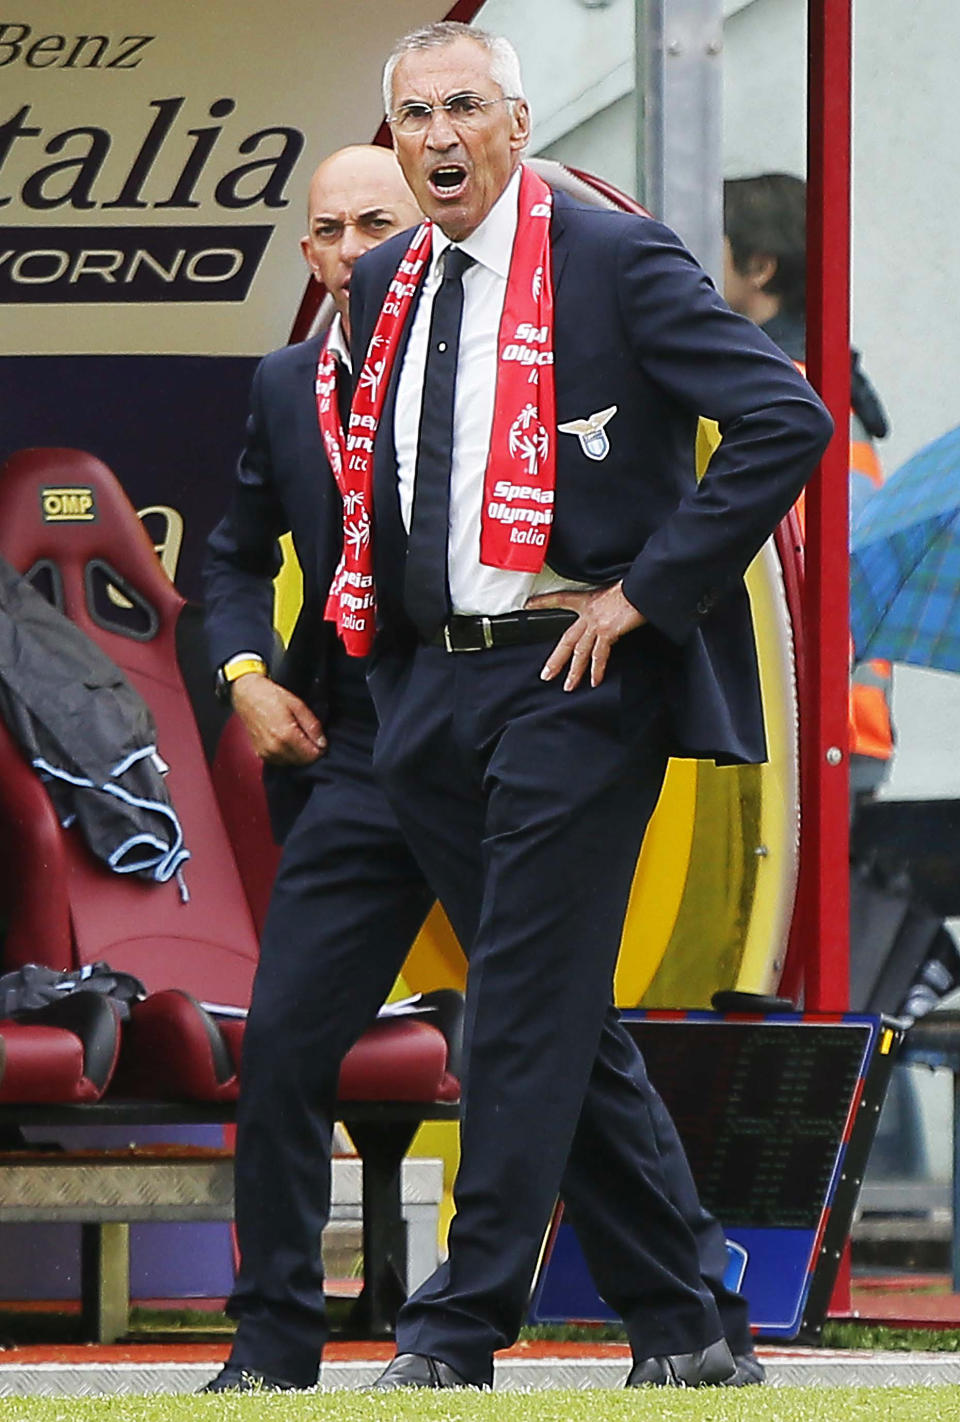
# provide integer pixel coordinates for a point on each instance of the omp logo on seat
(68, 505)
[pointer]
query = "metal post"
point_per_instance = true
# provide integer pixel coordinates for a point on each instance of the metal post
(955, 1187)
(649, 90)
(825, 881)
(825, 889)
(679, 48)
(382, 1146)
(105, 1280)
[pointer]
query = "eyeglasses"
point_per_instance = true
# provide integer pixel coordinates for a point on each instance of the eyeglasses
(463, 111)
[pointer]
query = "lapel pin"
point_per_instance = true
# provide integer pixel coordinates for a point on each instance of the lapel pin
(591, 432)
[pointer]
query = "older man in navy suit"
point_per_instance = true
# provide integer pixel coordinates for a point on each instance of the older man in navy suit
(348, 898)
(559, 607)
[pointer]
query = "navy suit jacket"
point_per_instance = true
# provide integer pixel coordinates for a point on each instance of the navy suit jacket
(639, 325)
(283, 483)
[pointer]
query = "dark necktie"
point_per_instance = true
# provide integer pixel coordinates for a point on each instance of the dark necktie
(426, 591)
(344, 393)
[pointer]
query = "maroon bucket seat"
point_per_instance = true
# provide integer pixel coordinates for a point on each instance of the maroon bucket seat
(66, 524)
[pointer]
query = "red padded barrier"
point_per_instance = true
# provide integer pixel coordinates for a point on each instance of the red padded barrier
(173, 1051)
(169, 1050)
(395, 1060)
(398, 1060)
(44, 1065)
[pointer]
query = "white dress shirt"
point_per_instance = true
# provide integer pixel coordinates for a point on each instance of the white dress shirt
(475, 588)
(337, 343)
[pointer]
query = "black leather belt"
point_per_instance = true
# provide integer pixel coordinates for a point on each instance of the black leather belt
(511, 629)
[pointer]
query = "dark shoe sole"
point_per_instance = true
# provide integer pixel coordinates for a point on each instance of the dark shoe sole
(417, 1372)
(237, 1380)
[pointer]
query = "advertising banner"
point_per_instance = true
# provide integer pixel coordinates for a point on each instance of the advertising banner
(154, 162)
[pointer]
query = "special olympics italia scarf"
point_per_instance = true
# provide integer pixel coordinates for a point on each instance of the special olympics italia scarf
(519, 482)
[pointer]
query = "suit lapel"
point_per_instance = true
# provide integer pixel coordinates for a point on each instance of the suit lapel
(320, 496)
(309, 440)
(318, 522)
(559, 240)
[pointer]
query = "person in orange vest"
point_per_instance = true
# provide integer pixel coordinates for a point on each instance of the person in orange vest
(764, 220)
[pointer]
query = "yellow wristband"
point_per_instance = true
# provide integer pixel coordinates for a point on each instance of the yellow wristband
(241, 667)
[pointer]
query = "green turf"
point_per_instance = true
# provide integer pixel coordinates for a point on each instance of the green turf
(876, 1337)
(891, 1340)
(934, 1404)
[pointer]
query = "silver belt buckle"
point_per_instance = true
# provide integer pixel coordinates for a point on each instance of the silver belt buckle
(486, 637)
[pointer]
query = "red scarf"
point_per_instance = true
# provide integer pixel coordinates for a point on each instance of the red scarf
(521, 468)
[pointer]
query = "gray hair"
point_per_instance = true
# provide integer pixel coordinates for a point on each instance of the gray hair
(504, 60)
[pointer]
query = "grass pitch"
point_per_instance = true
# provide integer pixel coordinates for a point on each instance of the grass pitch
(831, 1404)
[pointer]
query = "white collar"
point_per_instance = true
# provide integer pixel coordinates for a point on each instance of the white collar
(491, 245)
(336, 342)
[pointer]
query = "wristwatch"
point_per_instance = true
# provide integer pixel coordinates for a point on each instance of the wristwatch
(233, 668)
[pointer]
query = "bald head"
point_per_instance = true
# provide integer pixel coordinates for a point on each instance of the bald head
(358, 197)
(362, 166)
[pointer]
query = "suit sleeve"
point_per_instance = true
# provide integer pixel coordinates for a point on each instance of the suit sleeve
(774, 428)
(243, 554)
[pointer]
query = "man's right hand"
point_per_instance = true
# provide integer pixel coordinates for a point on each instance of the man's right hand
(282, 728)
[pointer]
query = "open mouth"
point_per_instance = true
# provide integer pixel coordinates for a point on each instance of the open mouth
(448, 181)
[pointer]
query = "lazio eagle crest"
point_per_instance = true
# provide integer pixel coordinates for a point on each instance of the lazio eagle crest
(591, 433)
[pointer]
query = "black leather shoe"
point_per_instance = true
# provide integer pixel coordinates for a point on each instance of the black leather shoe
(750, 1371)
(710, 1367)
(417, 1370)
(234, 1379)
